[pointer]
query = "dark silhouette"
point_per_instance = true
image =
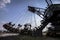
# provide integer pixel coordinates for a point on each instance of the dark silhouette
(51, 15)
(9, 27)
(19, 25)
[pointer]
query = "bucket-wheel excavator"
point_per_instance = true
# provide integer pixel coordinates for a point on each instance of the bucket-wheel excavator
(50, 15)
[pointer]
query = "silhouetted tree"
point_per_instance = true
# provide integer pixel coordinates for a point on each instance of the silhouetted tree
(25, 27)
(10, 23)
(19, 25)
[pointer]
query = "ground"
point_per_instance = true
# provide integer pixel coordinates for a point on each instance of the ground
(21, 37)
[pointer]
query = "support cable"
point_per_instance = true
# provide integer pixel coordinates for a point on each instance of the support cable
(23, 18)
(19, 18)
(27, 19)
(35, 20)
(49, 2)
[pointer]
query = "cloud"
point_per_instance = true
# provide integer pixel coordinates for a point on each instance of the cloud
(4, 2)
(56, 2)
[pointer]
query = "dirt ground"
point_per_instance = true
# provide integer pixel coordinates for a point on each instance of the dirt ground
(28, 38)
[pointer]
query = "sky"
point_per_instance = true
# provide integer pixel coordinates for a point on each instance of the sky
(16, 11)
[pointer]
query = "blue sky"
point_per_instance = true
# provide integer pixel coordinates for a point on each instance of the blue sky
(17, 12)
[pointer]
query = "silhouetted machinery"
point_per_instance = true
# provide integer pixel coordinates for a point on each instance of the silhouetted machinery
(50, 15)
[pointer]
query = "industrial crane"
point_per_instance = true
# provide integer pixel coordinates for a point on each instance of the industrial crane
(50, 15)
